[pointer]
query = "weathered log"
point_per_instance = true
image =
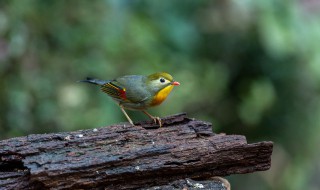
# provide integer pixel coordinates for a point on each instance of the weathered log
(128, 157)
(216, 183)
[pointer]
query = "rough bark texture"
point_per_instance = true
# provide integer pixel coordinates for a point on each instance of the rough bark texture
(128, 157)
(216, 183)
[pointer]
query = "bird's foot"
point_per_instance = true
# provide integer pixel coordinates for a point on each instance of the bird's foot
(157, 120)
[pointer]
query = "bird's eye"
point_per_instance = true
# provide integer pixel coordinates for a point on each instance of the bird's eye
(162, 80)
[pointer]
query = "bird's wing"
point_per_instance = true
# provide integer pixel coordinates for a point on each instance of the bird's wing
(133, 88)
(114, 90)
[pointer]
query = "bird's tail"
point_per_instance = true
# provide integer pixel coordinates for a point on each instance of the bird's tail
(94, 81)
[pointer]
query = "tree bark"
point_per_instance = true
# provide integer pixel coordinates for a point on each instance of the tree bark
(128, 157)
(216, 183)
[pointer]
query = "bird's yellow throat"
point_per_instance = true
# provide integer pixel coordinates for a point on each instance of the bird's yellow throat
(161, 95)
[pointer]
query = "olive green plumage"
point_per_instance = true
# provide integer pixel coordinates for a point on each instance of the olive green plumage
(137, 92)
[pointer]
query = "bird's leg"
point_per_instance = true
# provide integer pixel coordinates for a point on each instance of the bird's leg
(155, 119)
(125, 113)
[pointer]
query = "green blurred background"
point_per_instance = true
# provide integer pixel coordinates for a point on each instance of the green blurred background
(249, 67)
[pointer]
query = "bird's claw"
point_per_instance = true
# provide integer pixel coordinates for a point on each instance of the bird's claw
(157, 120)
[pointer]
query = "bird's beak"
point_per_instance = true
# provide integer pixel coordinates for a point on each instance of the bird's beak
(175, 83)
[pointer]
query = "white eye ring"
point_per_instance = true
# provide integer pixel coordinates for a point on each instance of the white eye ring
(162, 80)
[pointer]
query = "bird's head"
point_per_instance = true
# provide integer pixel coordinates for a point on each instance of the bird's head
(161, 80)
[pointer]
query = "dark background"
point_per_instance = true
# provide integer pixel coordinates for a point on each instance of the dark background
(249, 67)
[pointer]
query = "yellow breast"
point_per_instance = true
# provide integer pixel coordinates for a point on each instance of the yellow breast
(161, 95)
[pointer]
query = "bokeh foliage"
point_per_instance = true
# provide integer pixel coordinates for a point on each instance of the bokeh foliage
(249, 67)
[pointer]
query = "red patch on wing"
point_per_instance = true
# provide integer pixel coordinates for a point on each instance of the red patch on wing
(123, 93)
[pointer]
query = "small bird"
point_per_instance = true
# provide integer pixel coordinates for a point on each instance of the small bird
(137, 92)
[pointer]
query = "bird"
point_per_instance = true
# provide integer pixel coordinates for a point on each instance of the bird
(137, 92)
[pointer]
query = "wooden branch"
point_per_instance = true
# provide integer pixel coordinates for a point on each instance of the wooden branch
(215, 183)
(128, 157)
